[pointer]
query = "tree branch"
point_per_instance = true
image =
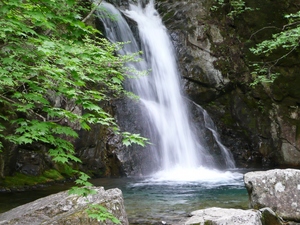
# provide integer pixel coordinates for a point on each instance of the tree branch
(91, 12)
(285, 55)
(13, 102)
(291, 24)
(84, 20)
(270, 64)
(269, 27)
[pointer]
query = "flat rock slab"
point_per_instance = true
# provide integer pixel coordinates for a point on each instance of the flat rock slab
(278, 189)
(220, 216)
(62, 209)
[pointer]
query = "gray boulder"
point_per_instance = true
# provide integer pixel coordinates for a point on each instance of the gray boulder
(220, 216)
(277, 189)
(63, 209)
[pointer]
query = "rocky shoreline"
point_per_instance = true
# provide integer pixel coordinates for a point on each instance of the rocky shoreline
(274, 197)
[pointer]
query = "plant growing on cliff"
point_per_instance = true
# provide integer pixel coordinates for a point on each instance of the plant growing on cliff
(55, 72)
(236, 7)
(287, 40)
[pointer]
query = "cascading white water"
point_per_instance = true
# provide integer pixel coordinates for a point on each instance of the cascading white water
(179, 149)
(209, 124)
(160, 92)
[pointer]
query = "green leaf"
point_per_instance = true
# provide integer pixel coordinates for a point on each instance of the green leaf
(116, 80)
(100, 213)
(64, 130)
(81, 191)
(23, 140)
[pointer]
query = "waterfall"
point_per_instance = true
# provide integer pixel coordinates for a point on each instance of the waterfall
(168, 116)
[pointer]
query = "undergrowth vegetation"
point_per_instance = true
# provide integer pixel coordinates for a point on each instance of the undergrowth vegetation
(55, 70)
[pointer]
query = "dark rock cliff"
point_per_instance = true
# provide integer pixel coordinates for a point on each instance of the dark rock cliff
(259, 124)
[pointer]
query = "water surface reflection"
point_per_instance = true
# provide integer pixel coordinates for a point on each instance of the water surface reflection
(149, 201)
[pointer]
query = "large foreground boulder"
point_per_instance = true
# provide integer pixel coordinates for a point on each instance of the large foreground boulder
(62, 209)
(277, 189)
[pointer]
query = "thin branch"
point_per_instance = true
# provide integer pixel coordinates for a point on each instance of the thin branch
(269, 27)
(91, 12)
(84, 20)
(274, 62)
(277, 60)
(7, 99)
(291, 24)
(13, 102)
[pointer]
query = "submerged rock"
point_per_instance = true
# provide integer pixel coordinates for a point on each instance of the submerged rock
(277, 189)
(62, 208)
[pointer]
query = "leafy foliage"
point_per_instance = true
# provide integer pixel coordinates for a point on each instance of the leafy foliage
(288, 39)
(236, 7)
(100, 213)
(262, 74)
(54, 73)
(83, 186)
(129, 139)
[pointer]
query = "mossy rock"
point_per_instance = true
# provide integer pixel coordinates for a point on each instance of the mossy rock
(22, 180)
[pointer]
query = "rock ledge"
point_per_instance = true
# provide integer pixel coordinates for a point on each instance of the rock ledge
(62, 208)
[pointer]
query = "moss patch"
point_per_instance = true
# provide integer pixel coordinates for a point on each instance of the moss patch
(65, 169)
(20, 180)
(53, 174)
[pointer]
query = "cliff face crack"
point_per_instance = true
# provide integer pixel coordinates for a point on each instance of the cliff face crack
(199, 47)
(198, 82)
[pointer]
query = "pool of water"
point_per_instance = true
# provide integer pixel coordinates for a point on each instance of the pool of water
(170, 197)
(152, 200)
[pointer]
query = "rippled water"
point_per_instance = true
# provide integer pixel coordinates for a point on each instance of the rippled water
(155, 199)
(170, 198)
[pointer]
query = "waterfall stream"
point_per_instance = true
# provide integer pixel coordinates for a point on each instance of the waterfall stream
(178, 150)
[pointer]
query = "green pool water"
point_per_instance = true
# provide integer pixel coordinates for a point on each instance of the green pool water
(150, 201)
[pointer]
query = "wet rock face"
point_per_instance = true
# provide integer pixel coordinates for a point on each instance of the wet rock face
(97, 150)
(259, 124)
(193, 38)
(211, 71)
(135, 159)
(277, 189)
(62, 208)
(32, 162)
